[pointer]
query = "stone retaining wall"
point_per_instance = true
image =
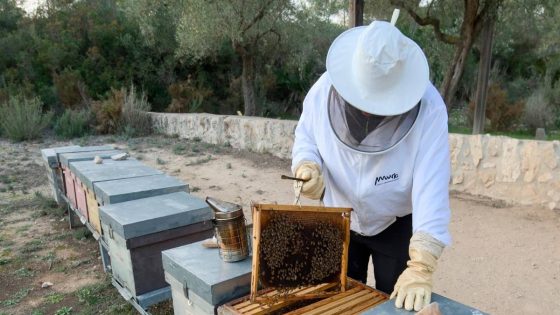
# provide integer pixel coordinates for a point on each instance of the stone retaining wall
(512, 170)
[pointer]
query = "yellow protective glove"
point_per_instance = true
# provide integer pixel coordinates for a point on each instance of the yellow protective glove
(314, 187)
(413, 289)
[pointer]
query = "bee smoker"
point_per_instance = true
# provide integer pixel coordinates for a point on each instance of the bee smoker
(230, 230)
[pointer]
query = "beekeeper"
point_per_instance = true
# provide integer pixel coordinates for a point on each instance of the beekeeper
(373, 137)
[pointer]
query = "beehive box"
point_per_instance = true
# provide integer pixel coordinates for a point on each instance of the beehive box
(51, 159)
(137, 231)
(200, 280)
(295, 246)
(81, 200)
(80, 204)
(54, 172)
(121, 190)
(356, 299)
(69, 157)
(69, 185)
(89, 173)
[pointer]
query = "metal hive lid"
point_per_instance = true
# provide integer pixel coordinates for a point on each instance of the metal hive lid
(67, 158)
(154, 214)
(224, 210)
(201, 270)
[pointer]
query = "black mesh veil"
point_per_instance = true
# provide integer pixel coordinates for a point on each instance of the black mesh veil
(365, 132)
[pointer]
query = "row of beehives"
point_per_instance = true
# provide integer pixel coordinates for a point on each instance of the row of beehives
(134, 211)
(149, 231)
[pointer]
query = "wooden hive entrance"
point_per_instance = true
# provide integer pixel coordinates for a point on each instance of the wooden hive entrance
(296, 247)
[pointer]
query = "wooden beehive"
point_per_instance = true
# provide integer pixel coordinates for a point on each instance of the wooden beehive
(291, 250)
(357, 298)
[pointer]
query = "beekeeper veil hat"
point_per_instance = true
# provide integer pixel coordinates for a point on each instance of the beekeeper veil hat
(378, 73)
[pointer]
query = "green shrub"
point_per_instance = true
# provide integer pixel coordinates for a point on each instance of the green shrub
(538, 112)
(187, 97)
(500, 111)
(108, 112)
(70, 88)
(125, 112)
(22, 118)
(135, 120)
(73, 123)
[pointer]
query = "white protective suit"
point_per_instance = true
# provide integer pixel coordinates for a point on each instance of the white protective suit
(411, 177)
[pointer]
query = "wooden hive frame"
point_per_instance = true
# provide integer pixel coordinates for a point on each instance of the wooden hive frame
(262, 214)
(356, 299)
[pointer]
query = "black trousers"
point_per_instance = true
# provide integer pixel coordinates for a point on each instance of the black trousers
(388, 251)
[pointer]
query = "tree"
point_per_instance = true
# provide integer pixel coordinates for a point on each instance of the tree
(462, 32)
(247, 25)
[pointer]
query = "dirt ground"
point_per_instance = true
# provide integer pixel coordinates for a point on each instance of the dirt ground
(504, 259)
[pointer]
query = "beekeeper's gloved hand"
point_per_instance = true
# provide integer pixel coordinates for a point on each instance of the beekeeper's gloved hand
(313, 188)
(414, 286)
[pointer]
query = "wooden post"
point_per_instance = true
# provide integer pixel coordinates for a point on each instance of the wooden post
(483, 74)
(356, 13)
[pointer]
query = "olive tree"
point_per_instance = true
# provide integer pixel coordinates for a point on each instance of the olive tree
(460, 29)
(250, 27)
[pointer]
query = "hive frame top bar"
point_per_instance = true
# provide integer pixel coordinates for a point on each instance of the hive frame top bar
(273, 207)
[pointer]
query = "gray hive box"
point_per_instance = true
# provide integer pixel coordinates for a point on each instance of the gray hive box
(50, 155)
(446, 306)
(200, 281)
(121, 190)
(66, 158)
(136, 232)
(51, 158)
(54, 173)
(88, 172)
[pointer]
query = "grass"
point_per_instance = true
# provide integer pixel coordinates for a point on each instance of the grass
(17, 297)
(102, 296)
(179, 149)
(32, 246)
(61, 236)
(92, 294)
(460, 130)
(82, 233)
(66, 310)
(5, 179)
(24, 273)
(54, 298)
(200, 161)
(23, 228)
(47, 206)
(51, 256)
